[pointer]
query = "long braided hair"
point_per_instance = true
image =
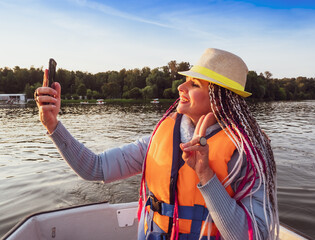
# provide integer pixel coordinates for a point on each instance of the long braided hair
(235, 118)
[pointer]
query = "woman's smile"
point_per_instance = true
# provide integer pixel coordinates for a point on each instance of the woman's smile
(194, 98)
(183, 99)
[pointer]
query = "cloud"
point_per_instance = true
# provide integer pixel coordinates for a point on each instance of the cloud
(117, 13)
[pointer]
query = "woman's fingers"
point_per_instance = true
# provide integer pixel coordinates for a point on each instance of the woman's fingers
(193, 145)
(186, 154)
(45, 78)
(194, 148)
(45, 91)
(199, 123)
(203, 123)
(47, 95)
(200, 131)
(47, 108)
(46, 99)
(192, 142)
(207, 121)
(56, 86)
(48, 102)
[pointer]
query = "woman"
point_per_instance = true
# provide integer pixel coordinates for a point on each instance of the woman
(209, 167)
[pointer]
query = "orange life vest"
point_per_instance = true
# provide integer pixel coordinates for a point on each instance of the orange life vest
(166, 171)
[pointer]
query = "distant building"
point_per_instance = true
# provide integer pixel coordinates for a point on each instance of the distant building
(11, 98)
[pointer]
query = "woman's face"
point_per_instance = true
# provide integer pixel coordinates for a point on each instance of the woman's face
(194, 99)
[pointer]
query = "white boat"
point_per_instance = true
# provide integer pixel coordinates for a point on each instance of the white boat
(94, 221)
(100, 101)
(155, 100)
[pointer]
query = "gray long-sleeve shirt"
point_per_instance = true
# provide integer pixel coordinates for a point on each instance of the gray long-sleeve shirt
(125, 161)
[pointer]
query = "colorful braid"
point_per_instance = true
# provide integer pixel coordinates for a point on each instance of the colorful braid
(235, 118)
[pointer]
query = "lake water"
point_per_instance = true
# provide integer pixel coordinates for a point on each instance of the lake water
(33, 176)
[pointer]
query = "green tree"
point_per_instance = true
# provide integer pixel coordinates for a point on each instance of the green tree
(168, 93)
(290, 88)
(106, 90)
(22, 78)
(66, 80)
(75, 96)
(96, 94)
(282, 94)
(89, 94)
(90, 81)
(270, 90)
(35, 75)
(2, 84)
(139, 81)
(149, 92)
(133, 79)
(81, 91)
(156, 79)
(306, 88)
(114, 90)
(129, 80)
(268, 74)
(100, 79)
(134, 93)
(121, 81)
(113, 76)
(172, 66)
(183, 66)
(144, 73)
(29, 91)
(256, 85)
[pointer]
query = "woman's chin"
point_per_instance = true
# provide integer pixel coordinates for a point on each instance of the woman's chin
(180, 110)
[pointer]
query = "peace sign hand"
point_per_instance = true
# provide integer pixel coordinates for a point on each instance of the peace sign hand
(196, 155)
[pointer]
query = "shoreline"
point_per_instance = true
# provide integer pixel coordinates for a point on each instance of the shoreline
(116, 100)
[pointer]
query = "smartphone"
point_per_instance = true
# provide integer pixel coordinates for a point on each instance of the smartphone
(49, 75)
(51, 71)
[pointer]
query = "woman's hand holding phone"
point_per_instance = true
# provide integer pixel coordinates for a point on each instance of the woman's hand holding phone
(48, 100)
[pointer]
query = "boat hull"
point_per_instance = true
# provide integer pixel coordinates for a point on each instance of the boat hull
(95, 221)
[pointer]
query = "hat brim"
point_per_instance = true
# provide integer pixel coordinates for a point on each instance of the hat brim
(206, 78)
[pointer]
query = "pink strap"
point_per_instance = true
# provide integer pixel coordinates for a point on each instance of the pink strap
(249, 221)
(175, 228)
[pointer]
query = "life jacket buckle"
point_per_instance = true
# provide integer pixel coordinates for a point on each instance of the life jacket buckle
(156, 205)
(165, 236)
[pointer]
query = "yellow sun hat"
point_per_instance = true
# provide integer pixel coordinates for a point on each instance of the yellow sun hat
(222, 68)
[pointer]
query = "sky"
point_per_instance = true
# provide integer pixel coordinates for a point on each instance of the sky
(98, 36)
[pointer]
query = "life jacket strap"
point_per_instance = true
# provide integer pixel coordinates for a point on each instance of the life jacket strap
(161, 236)
(194, 237)
(196, 212)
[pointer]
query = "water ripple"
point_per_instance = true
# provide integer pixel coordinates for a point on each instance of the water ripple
(35, 178)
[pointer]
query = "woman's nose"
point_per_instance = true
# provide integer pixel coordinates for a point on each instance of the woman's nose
(182, 87)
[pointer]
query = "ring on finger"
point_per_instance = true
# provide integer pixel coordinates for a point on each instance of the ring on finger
(202, 141)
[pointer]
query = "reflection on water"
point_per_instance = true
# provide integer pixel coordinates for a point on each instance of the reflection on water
(35, 178)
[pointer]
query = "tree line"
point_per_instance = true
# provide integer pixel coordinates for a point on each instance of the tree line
(145, 83)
